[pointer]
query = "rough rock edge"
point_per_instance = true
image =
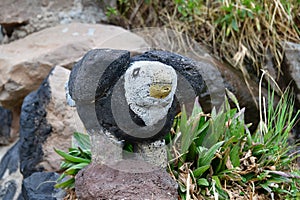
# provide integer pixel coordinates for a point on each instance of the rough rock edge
(34, 128)
(10, 174)
(5, 126)
(40, 185)
(102, 182)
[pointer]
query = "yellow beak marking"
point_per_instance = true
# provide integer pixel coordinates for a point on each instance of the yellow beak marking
(160, 90)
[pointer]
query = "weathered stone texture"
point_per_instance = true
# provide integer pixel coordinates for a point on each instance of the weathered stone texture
(291, 66)
(40, 186)
(47, 122)
(122, 182)
(5, 125)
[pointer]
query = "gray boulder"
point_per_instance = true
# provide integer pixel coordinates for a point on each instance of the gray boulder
(40, 186)
(291, 66)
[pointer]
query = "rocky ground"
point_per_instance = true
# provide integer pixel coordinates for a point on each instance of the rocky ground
(21, 18)
(40, 42)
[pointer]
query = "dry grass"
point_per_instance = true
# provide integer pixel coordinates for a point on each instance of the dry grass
(71, 195)
(238, 32)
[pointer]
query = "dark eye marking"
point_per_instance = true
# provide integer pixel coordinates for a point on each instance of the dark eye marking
(136, 72)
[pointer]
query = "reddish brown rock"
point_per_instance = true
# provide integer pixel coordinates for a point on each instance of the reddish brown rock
(120, 182)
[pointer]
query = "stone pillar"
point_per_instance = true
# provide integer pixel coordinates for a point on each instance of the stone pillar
(106, 149)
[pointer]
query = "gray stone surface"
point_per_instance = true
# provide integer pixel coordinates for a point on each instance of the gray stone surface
(5, 126)
(92, 79)
(122, 182)
(34, 129)
(96, 73)
(8, 190)
(154, 153)
(40, 186)
(20, 18)
(106, 149)
(10, 175)
(291, 66)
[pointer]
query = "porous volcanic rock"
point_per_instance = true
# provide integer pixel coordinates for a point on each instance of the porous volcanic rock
(34, 129)
(122, 182)
(26, 62)
(5, 124)
(46, 122)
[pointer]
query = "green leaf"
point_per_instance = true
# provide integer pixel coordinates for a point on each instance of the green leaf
(70, 157)
(228, 31)
(215, 130)
(202, 134)
(82, 140)
(200, 170)
(234, 25)
(185, 138)
(233, 98)
(61, 177)
(70, 183)
(192, 153)
(234, 155)
(189, 130)
(182, 187)
(75, 168)
(209, 155)
(250, 14)
(217, 180)
(202, 182)
(266, 187)
(71, 172)
(129, 147)
(197, 108)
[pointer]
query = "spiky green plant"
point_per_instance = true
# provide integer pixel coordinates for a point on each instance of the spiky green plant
(78, 157)
(217, 157)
